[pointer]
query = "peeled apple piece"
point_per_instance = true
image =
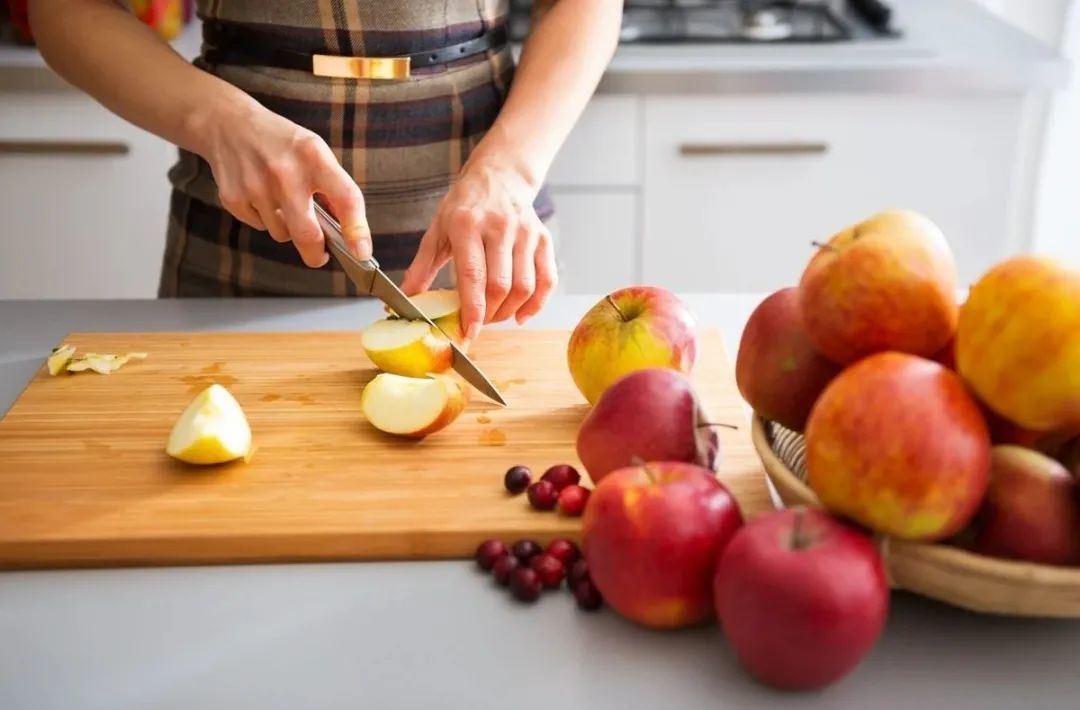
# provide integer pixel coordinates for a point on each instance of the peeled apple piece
(64, 359)
(213, 429)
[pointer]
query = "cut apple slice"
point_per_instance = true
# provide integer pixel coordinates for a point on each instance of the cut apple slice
(412, 407)
(443, 307)
(59, 359)
(407, 348)
(212, 429)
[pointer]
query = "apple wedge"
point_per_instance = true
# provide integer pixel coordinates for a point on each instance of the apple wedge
(443, 307)
(213, 429)
(412, 407)
(406, 347)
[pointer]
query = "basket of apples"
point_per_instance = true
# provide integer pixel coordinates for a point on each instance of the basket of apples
(948, 430)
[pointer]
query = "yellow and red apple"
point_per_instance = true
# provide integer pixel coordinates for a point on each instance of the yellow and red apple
(898, 444)
(652, 535)
(886, 283)
(630, 329)
(443, 307)
(778, 371)
(412, 407)
(1018, 342)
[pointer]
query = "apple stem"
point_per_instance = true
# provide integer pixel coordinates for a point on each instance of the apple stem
(798, 540)
(706, 425)
(617, 309)
(649, 472)
(820, 245)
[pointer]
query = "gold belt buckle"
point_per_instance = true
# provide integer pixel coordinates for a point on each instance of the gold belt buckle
(329, 65)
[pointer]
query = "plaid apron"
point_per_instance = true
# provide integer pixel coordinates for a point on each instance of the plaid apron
(402, 141)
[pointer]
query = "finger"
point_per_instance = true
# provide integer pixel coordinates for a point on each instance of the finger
(431, 256)
(241, 209)
(499, 238)
(346, 202)
(546, 279)
(279, 232)
(470, 269)
(304, 229)
(523, 282)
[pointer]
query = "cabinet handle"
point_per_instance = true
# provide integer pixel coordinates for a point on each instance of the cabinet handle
(700, 149)
(63, 147)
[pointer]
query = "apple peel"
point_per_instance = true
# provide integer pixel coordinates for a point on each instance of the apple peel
(63, 359)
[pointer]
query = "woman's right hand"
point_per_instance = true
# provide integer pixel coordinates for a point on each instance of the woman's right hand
(268, 169)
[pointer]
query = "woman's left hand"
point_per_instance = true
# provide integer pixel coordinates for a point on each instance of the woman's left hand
(503, 256)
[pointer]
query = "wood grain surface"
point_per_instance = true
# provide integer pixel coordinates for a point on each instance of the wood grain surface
(84, 480)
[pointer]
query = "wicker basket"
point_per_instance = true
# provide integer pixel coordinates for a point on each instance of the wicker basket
(940, 572)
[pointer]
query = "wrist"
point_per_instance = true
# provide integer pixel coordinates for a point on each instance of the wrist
(204, 124)
(494, 155)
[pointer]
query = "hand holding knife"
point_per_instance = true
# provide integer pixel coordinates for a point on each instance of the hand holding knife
(370, 280)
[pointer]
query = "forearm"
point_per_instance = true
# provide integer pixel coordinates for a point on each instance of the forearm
(104, 50)
(562, 61)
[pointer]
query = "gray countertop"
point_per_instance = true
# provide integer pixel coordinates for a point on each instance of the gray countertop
(947, 46)
(433, 634)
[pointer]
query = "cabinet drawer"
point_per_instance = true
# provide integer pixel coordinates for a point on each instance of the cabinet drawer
(603, 149)
(736, 189)
(597, 240)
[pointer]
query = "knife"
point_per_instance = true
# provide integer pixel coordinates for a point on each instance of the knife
(371, 280)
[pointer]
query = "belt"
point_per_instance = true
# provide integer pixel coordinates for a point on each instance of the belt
(227, 43)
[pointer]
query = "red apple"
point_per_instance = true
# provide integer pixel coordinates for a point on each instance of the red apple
(651, 415)
(1069, 456)
(779, 372)
(628, 330)
(801, 597)
(947, 355)
(652, 534)
(898, 444)
(887, 283)
(1031, 511)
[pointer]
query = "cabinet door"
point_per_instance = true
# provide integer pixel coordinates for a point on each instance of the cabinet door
(597, 245)
(735, 189)
(84, 200)
(604, 147)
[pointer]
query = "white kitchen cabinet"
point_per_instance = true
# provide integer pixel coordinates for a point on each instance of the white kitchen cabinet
(604, 147)
(736, 188)
(84, 200)
(598, 243)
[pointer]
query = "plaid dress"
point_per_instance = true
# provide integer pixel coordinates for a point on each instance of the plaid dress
(402, 141)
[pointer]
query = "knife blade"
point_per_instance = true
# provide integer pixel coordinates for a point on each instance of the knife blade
(370, 279)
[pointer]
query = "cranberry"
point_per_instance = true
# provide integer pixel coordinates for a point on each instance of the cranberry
(489, 552)
(562, 475)
(578, 571)
(517, 479)
(550, 569)
(564, 550)
(525, 549)
(542, 495)
(503, 567)
(525, 584)
(572, 500)
(587, 595)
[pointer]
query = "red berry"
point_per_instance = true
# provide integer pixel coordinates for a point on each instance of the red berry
(564, 550)
(525, 584)
(542, 495)
(550, 569)
(525, 549)
(517, 479)
(489, 552)
(562, 475)
(572, 500)
(578, 571)
(503, 567)
(587, 595)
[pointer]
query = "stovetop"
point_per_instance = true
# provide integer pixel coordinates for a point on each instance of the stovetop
(739, 21)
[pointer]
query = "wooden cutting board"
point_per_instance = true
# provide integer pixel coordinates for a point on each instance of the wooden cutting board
(84, 480)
